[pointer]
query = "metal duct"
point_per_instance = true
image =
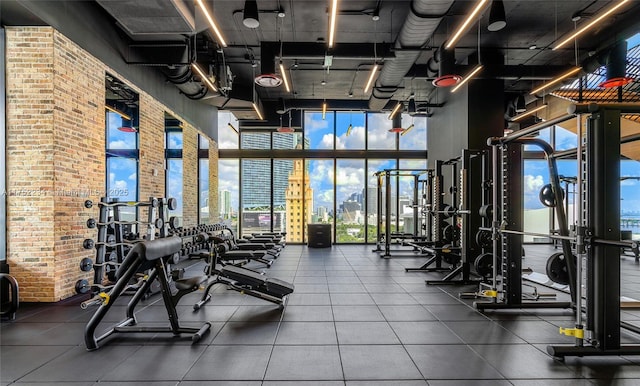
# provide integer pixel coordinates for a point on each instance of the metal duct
(182, 77)
(423, 19)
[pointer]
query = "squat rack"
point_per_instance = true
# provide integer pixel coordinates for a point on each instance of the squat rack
(383, 178)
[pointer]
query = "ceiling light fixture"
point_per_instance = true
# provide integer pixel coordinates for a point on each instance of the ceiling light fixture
(532, 111)
(212, 23)
(447, 72)
(285, 129)
(127, 129)
(396, 127)
(250, 17)
(411, 107)
(463, 28)
(497, 18)
(257, 109)
(120, 113)
(617, 67)
(332, 22)
(408, 129)
(349, 130)
(203, 77)
(372, 75)
(395, 110)
(284, 77)
(556, 80)
(324, 109)
(467, 78)
(591, 24)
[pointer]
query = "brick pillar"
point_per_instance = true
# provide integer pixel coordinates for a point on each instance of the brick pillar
(55, 138)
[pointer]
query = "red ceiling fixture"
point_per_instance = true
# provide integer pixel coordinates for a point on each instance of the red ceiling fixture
(285, 129)
(396, 127)
(617, 67)
(447, 76)
(128, 129)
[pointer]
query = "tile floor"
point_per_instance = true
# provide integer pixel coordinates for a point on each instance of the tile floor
(354, 319)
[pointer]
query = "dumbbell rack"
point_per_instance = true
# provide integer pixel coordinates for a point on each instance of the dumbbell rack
(112, 245)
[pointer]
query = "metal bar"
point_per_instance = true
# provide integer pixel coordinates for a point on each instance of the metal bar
(529, 130)
(494, 217)
(555, 237)
(580, 247)
(622, 108)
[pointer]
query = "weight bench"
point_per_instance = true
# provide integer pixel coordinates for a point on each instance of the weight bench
(248, 282)
(145, 256)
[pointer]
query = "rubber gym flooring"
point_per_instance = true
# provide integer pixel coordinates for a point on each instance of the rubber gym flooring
(354, 319)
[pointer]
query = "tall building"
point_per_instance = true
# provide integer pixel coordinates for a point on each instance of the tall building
(225, 204)
(299, 205)
(256, 173)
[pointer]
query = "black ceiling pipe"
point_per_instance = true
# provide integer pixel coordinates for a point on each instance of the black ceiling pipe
(422, 20)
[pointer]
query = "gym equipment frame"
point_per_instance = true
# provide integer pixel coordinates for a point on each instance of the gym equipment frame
(507, 202)
(384, 180)
(599, 229)
(467, 204)
(147, 255)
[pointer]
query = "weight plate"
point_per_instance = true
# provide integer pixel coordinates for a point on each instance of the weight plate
(86, 264)
(82, 286)
(486, 211)
(484, 265)
(172, 203)
(483, 239)
(557, 268)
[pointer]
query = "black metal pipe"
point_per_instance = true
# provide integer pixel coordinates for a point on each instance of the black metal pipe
(529, 130)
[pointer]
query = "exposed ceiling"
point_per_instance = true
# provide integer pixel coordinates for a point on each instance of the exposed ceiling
(172, 33)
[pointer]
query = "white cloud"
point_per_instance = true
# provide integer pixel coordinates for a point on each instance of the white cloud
(227, 137)
(120, 185)
(533, 184)
(119, 144)
(312, 122)
(326, 142)
(354, 141)
(133, 176)
(378, 132)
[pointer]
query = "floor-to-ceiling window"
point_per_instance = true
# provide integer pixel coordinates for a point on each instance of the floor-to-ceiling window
(173, 156)
(122, 144)
(320, 174)
(203, 182)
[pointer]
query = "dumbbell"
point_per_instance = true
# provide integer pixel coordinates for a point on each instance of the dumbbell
(90, 244)
(153, 203)
(92, 223)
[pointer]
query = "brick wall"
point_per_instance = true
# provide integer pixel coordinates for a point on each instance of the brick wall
(30, 146)
(56, 159)
(190, 176)
(79, 163)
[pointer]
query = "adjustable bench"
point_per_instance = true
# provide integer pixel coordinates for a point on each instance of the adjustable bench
(248, 282)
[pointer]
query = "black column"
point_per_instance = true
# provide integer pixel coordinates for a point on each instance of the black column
(603, 266)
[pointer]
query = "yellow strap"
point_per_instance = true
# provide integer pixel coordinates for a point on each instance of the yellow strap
(489, 293)
(105, 297)
(577, 332)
